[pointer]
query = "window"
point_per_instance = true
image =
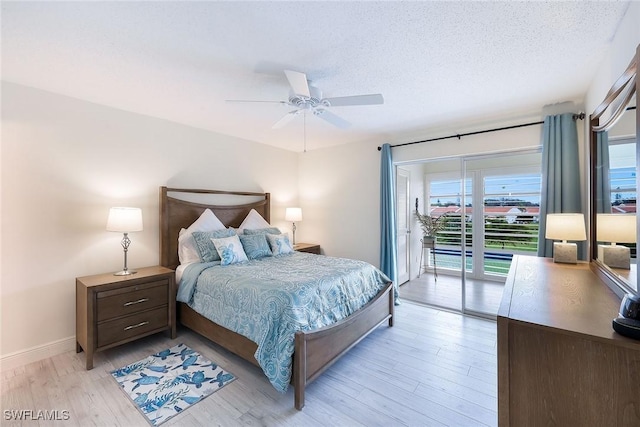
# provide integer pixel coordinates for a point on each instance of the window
(511, 218)
(445, 199)
(622, 176)
(504, 222)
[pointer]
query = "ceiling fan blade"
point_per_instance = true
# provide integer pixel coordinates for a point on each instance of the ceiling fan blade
(298, 82)
(343, 101)
(285, 119)
(331, 118)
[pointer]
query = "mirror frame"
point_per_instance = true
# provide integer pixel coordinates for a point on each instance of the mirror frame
(617, 98)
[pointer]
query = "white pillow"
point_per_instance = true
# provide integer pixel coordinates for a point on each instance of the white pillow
(230, 250)
(187, 249)
(279, 244)
(252, 221)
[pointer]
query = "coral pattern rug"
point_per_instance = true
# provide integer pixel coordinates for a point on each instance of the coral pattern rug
(167, 383)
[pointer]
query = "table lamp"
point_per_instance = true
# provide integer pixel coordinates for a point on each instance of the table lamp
(125, 220)
(293, 215)
(565, 226)
(615, 228)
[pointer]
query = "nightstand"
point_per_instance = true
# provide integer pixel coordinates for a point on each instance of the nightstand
(112, 310)
(307, 247)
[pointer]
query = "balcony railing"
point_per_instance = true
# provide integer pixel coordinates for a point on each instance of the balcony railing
(504, 236)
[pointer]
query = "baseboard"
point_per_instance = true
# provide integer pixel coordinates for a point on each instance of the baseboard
(34, 354)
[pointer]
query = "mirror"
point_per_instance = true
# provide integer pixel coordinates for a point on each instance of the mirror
(614, 183)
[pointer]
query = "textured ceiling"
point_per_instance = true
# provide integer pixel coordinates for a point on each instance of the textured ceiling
(436, 63)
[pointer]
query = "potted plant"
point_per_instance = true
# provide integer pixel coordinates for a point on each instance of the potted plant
(430, 225)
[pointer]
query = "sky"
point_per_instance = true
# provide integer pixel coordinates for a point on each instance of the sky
(527, 186)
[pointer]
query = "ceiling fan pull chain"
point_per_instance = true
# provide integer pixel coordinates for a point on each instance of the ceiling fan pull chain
(304, 125)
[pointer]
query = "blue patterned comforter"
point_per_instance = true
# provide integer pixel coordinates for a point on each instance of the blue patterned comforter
(268, 299)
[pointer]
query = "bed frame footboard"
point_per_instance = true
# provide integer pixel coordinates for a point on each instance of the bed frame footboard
(315, 351)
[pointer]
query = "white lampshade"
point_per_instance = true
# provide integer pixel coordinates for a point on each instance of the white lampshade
(124, 220)
(565, 226)
(616, 228)
(293, 214)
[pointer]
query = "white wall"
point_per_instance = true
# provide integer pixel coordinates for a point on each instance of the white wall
(623, 47)
(64, 163)
(524, 137)
(339, 191)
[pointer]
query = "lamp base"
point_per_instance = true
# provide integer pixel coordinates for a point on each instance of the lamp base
(124, 273)
(617, 256)
(565, 253)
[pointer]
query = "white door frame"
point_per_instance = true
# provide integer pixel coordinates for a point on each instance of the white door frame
(403, 234)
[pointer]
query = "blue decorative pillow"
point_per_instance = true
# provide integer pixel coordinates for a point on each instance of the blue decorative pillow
(230, 250)
(255, 245)
(206, 248)
(268, 230)
(279, 244)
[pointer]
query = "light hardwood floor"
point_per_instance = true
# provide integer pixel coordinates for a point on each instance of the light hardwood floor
(432, 368)
(481, 295)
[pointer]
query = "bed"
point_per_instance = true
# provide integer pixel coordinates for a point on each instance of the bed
(313, 350)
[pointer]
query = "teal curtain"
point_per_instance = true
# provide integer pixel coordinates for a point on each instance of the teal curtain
(603, 181)
(560, 175)
(388, 248)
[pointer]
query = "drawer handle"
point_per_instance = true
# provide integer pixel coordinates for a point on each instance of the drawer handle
(126, 304)
(136, 326)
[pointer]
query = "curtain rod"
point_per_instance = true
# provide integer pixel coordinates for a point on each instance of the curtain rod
(579, 116)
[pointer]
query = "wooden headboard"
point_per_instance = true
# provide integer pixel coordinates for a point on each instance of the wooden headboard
(177, 213)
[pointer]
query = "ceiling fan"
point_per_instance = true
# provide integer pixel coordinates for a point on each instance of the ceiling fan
(305, 97)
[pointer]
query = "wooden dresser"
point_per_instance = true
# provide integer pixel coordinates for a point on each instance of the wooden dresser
(559, 361)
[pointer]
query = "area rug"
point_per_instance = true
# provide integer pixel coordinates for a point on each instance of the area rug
(165, 384)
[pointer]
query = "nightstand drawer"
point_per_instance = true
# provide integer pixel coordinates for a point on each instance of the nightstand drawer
(131, 299)
(131, 326)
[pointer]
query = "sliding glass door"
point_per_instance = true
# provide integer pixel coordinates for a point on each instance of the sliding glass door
(504, 205)
(487, 210)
